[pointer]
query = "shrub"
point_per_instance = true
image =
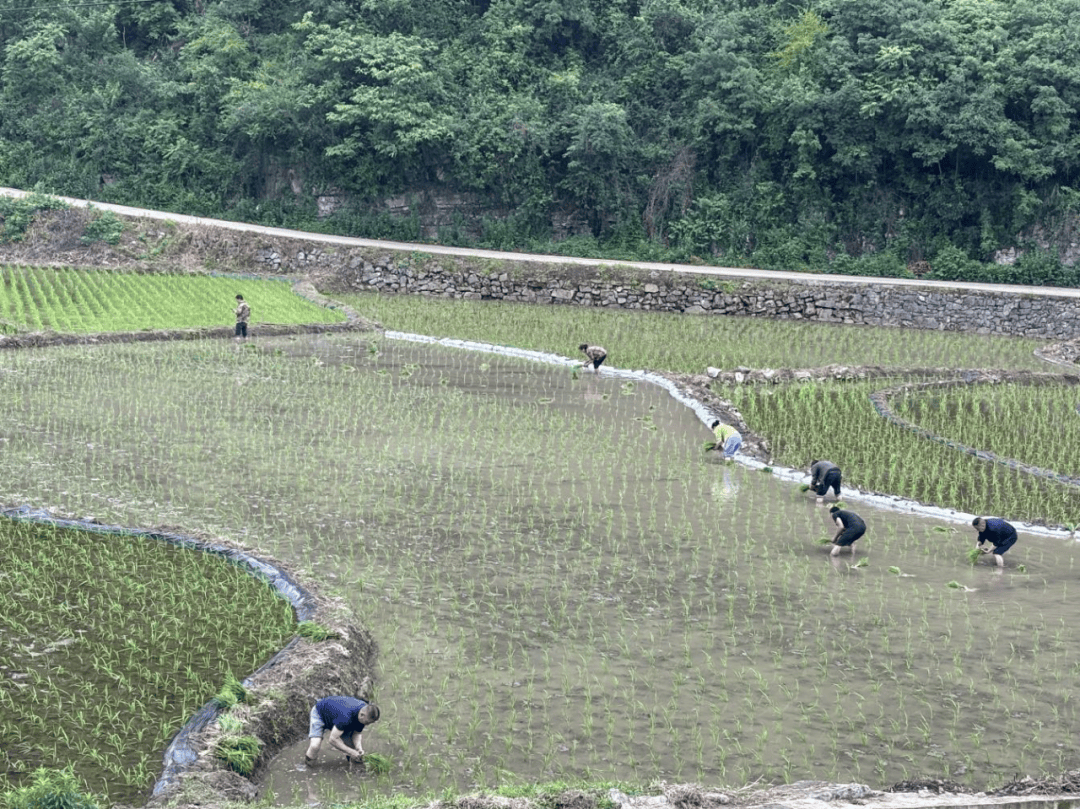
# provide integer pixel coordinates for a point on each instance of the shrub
(106, 227)
(17, 214)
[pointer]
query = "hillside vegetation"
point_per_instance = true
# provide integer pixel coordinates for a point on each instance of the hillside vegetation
(865, 137)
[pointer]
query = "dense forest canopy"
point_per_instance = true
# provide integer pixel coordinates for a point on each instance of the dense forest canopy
(858, 135)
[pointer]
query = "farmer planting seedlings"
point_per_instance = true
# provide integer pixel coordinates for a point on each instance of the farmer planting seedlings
(346, 718)
(823, 476)
(998, 534)
(596, 355)
(849, 527)
(728, 439)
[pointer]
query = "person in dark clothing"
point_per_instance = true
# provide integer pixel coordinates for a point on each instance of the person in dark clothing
(243, 313)
(345, 718)
(849, 527)
(596, 355)
(999, 535)
(823, 476)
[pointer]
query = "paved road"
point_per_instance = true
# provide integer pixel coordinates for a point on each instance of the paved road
(719, 272)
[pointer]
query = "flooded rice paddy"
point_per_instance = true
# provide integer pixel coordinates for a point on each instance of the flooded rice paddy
(561, 584)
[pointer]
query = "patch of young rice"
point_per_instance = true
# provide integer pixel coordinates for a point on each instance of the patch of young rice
(836, 420)
(1035, 424)
(109, 643)
(70, 300)
(689, 344)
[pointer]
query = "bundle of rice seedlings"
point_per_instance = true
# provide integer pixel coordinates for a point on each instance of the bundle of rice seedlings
(377, 763)
(805, 487)
(974, 554)
(894, 570)
(825, 541)
(315, 632)
(238, 752)
(231, 692)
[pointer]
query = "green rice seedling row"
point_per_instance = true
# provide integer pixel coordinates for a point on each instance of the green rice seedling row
(81, 301)
(836, 420)
(1034, 424)
(689, 344)
(109, 643)
(560, 584)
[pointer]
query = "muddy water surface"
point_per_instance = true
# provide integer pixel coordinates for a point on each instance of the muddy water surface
(611, 604)
(561, 584)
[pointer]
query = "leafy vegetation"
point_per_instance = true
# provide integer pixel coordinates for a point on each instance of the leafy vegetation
(850, 137)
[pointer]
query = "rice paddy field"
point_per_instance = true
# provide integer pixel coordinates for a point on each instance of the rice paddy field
(108, 643)
(80, 301)
(561, 585)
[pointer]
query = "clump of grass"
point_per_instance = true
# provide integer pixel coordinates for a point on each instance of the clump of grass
(767, 470)
(862, 562)
(315, 632)
(377, 763)
(238, 752)
(894, 570)
(955, 585)
(231, 693)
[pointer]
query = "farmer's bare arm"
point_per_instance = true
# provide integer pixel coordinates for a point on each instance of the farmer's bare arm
(337, 742)
(839, 528)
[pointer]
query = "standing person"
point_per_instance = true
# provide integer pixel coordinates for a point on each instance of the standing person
(849, 527)
(728, 439)
(823, 475)
(999, 534)
(243, 313)
(596, 355)
(345, 718)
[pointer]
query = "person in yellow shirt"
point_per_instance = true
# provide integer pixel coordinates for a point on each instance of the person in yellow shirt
(728, 439)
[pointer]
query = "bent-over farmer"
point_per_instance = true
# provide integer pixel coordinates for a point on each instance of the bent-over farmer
(823, 476)
(849, 527)
(596, 355)
(243, 314)
(999, 535)
(728, 439)
(345, 718)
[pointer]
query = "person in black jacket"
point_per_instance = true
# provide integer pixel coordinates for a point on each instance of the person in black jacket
(999, 534)
(849, 527)
(823, 476)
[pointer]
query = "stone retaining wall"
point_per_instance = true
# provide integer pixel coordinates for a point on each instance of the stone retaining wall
(620, 286)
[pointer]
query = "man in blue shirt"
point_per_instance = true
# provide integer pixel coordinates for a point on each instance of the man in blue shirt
(345, 718)
(998, 533)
